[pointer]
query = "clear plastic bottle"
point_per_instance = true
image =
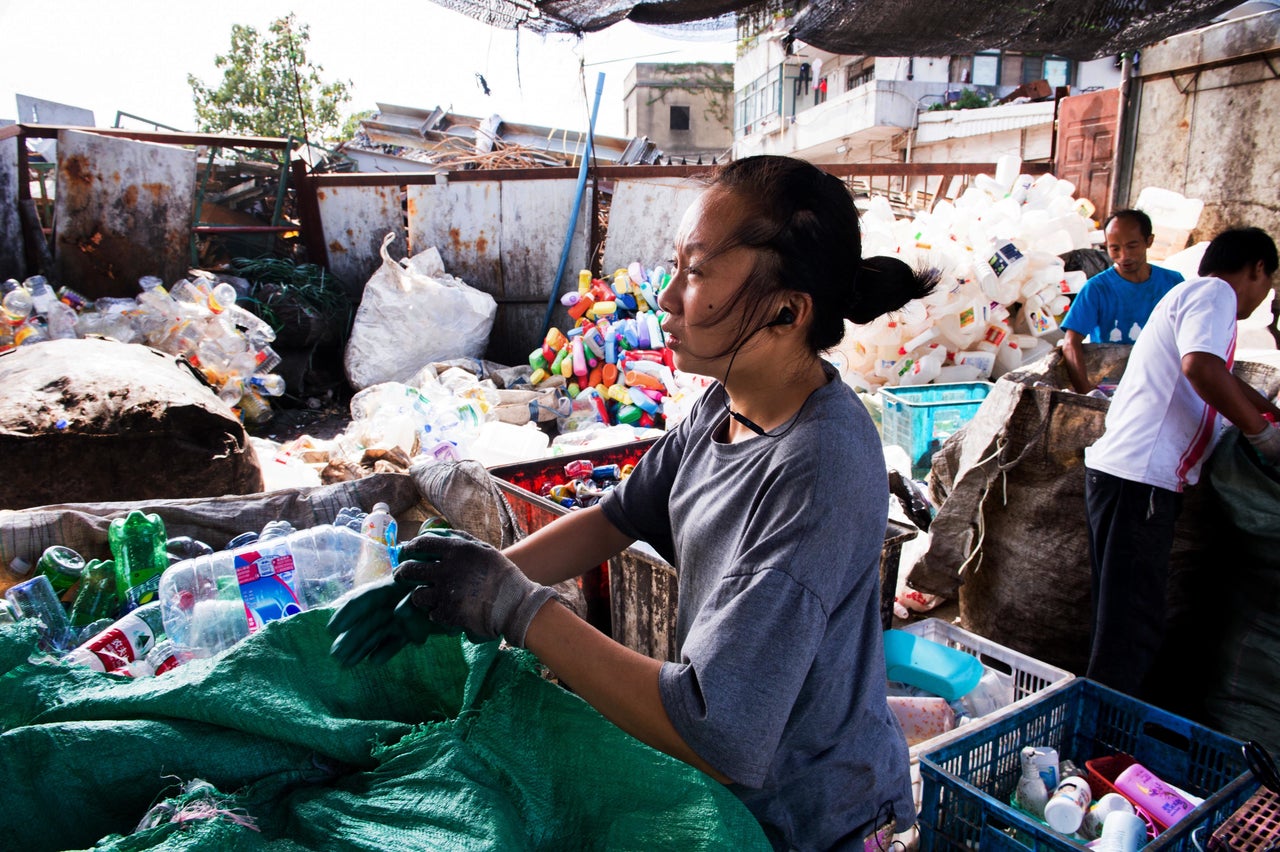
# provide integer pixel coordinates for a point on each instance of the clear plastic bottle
(42, 295)
(36, 599)
(212, 602)
(17, 305)
(268, 384)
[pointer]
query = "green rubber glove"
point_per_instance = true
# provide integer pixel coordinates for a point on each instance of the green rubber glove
(367, 624)
(364, 622)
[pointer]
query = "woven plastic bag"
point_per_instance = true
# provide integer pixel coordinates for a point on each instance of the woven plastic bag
(449, 746)
(413, 313)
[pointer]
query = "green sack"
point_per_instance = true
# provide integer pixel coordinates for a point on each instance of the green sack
(451, 745)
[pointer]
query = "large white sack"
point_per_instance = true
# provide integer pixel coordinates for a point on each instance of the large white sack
(412, 313)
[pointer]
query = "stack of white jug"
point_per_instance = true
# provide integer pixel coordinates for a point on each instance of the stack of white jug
(1004, 286)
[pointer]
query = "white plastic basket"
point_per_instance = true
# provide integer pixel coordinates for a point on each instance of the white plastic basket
(1031, 679)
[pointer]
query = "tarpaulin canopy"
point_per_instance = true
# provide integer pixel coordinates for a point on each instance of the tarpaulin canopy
(1086, 29)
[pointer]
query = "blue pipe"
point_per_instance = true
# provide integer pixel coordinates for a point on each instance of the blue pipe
(573, 216)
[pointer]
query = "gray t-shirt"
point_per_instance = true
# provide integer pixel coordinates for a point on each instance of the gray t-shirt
(781, 678)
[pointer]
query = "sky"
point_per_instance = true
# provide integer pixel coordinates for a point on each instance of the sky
(135, 56)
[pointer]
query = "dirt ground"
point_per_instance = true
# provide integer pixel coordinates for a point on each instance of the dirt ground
(289, 423)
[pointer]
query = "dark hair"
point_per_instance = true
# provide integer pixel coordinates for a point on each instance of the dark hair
(1137, 217)
(803, 221)
(1237, 248)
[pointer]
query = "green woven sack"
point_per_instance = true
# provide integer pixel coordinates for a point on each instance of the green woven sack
(451, 745)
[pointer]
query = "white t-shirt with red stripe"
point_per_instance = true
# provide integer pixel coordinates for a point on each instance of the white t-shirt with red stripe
(1158, 429)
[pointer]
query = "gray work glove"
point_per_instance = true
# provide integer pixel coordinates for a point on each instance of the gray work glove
(1267, 443)
(462, 582)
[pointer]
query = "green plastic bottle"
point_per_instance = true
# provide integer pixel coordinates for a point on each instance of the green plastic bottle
(97, 596)
(63, 566)
(138, 545)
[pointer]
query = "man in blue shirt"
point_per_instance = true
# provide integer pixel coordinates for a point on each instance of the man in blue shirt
(1113, 305)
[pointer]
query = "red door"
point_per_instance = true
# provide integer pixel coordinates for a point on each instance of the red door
(1086, 145)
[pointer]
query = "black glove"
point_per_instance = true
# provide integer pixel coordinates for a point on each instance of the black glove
(463, 583)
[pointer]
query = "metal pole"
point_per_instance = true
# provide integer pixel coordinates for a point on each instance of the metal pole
(573, 214)
(1125, 136)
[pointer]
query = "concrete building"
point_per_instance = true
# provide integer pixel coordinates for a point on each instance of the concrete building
(683, 108)
(800, 101)
(1203, 118)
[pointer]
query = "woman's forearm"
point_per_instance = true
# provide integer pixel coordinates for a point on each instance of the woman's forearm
(568, 546)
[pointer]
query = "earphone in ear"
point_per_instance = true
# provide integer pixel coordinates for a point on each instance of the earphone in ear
(785, 317)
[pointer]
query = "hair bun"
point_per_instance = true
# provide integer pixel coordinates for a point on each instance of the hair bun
(885, 284)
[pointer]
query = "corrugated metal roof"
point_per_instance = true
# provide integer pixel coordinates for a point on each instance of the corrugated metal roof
(957, 124)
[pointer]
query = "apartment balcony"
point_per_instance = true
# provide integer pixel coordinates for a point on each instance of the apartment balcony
(874, 112)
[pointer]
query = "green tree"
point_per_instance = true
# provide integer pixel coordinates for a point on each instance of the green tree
(269, 87)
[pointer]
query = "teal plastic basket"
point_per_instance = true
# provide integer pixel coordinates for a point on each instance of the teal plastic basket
(968, 782)
(921, 417)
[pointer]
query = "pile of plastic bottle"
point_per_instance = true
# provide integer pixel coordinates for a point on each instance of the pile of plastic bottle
(197, 318)
(613, 358)
(160, 602)
(1004, 289)
(1114, 798)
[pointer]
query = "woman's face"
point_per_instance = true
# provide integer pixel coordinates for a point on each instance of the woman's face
(705, 279)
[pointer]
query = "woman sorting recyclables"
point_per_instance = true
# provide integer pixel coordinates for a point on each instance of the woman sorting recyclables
(771, 501)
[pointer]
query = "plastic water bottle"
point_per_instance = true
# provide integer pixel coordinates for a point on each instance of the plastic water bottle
(36, 599)
(42, 295)
(127, 640)
(212, 602)
(138, 545)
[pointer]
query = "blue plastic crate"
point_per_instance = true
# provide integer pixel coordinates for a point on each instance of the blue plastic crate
(920, 418)
(968, 782)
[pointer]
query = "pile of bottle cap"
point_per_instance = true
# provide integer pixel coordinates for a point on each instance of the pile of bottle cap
(614, 357)
(1004, 287)
(585, 483)
(197, 318)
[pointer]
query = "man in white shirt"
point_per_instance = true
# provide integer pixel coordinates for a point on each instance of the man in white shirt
(1163, 422)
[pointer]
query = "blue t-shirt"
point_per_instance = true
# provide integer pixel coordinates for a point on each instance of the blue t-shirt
(1108, 302)
(781, 679)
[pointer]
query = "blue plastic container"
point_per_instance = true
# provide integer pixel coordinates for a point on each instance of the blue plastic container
(968, 782)
(921, 417)
(929, 665)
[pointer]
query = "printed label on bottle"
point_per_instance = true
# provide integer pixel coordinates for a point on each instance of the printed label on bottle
(266, 583)
(967, 317)
(143, 593)
(116, 647)
(169, 662)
